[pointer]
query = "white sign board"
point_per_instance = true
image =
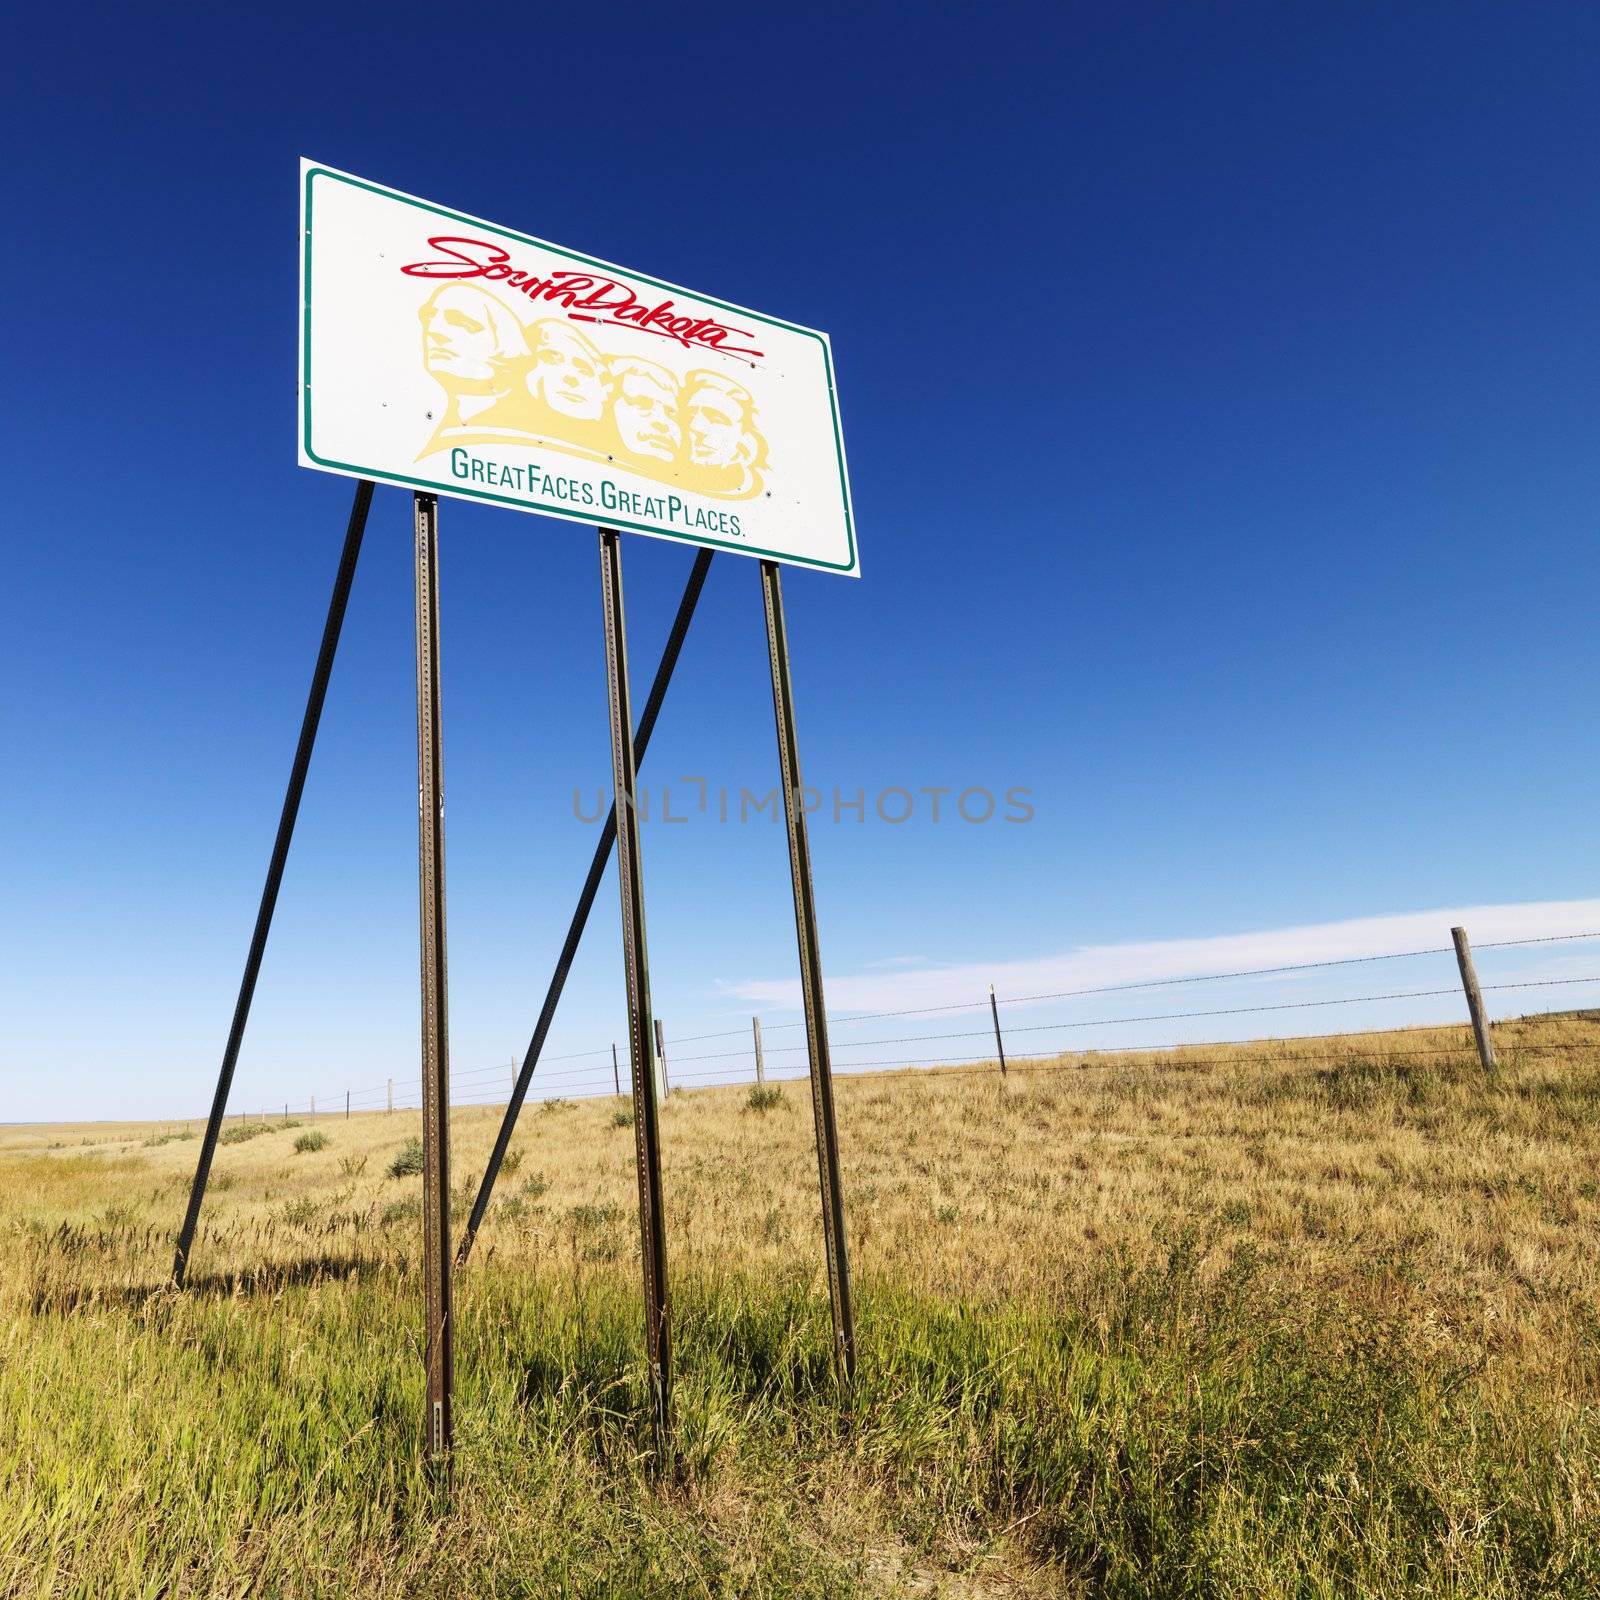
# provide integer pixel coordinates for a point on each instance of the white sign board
(453, 355)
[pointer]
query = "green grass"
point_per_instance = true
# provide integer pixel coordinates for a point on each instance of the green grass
(308, 1143)
(1160, 1434)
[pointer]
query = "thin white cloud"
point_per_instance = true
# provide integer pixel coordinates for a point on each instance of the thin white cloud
(1092, 966)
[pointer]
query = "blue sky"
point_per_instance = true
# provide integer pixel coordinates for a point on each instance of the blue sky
(1220, 392)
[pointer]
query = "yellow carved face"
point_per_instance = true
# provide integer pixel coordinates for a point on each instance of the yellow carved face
(716, 428)
(567, 374)
(644, 412)
(461, 342)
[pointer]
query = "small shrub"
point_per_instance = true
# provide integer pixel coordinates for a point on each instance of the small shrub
(534, 1185)
(408, 1164)
(352, 1166)
(406, 1210)
(307, 1142)
(240, 1132)
(763, 1097)
(512, 1161)
(300, 1213)
(157, 1139)
(621, 1118)
(590, 1217)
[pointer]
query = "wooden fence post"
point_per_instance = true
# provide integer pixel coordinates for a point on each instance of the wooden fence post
(761, 1067)
(1469, 982)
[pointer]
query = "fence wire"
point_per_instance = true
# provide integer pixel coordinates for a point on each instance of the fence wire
(592, 1080)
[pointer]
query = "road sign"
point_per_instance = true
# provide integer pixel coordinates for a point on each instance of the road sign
(458, 357)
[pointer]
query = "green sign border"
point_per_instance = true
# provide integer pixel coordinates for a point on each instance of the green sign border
(452, 489)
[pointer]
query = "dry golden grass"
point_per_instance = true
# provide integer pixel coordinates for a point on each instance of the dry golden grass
(1375, 1186)
(1327, 1151)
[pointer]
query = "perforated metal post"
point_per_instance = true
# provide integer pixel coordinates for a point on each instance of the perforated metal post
(636, 974)
(435, 1016)
(805, 921)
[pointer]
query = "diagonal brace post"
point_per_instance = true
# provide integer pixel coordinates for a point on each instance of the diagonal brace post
(280, 855)
(586, 898)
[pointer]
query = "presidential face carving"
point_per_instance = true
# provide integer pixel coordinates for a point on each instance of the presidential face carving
(568, 372)
(716, 410)
(469, 339)
(644, 408)
(549, 387)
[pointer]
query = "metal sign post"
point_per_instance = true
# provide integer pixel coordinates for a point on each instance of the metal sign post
(551, 383)
(805, 920)
(435, 1021)
(586, 897)
(280, 855)
(636, 976)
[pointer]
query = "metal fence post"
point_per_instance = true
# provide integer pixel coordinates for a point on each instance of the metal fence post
(616, 1078)
(663, 1088)
(999, 1043)
(1469, 982)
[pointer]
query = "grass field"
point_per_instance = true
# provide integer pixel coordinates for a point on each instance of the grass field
(1318, 1318)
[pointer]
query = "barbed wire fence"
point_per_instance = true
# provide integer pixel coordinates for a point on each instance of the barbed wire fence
(592, 1073)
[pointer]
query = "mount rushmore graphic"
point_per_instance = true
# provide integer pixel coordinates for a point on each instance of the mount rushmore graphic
(546, 385)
